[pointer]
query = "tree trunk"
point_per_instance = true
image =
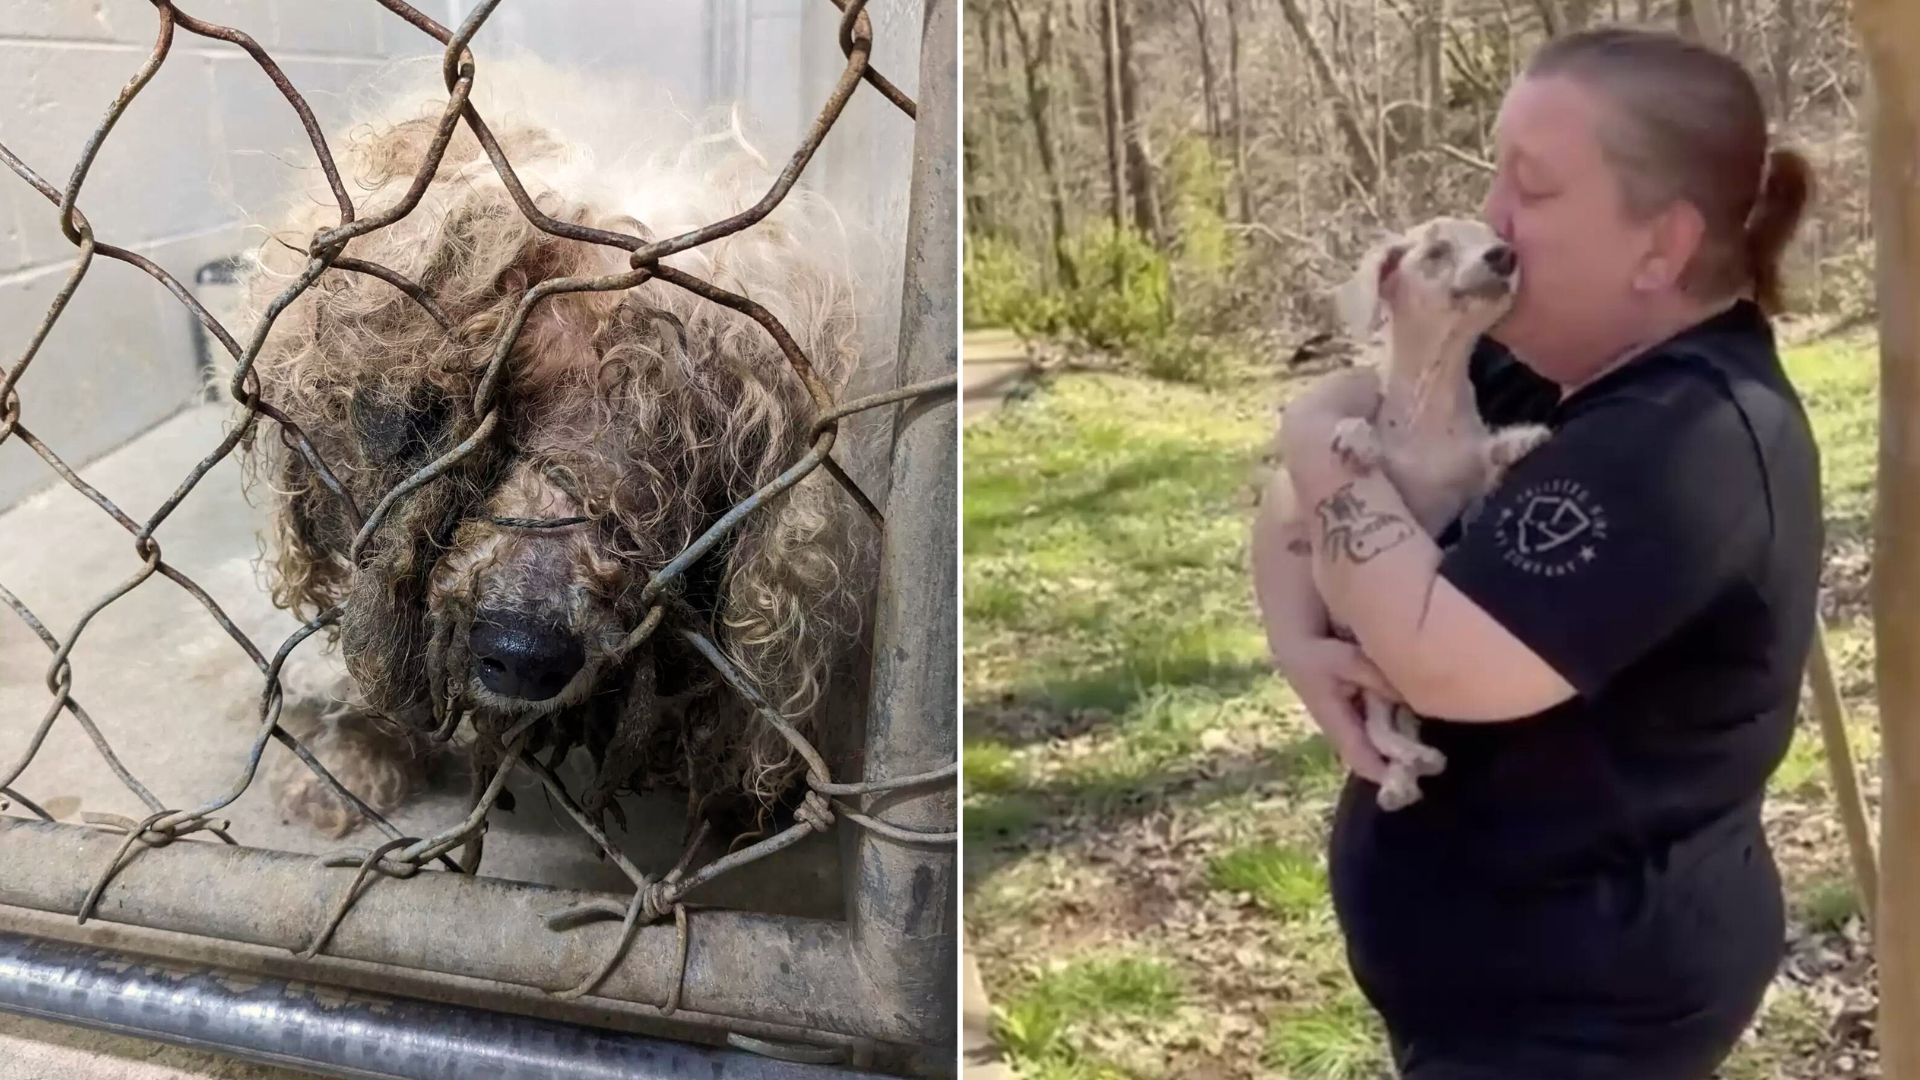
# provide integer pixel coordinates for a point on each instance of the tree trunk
(1199, 10)
(1110, 53)
(1433, 90)
(1365, 165)
(1036, 53)
(1784, 46)
(1140, 179)
(1890, 35)
(982, 149)
(1702, 21)
(1243, 180)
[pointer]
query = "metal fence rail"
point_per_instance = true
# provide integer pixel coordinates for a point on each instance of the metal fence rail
(885, 974)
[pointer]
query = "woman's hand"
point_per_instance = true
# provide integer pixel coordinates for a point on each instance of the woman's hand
(1328, 675)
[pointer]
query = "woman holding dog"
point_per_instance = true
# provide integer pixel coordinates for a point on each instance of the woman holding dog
(1609, 649)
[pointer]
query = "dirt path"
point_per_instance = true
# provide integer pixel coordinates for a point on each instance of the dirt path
(992, 362)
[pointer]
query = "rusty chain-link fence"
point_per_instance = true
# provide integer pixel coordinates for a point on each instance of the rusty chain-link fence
(112, 844)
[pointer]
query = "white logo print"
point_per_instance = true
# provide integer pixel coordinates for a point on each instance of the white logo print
(1552, 529)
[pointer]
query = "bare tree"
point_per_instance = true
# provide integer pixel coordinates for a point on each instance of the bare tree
(1365, 165)
(1140, 173)
(1332, 118)
(1238, 102)
(1110, 69)
(1785, 41)
(1198, 8)
(1036, 51)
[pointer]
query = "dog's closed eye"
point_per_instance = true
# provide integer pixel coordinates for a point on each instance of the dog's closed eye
(394, 430)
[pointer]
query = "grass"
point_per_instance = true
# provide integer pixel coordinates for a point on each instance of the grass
(1790, 1029)
(1827, 903)
(1837, 381)
(988, 766)
(1339, 1040)
(1136, 775)
(1285, 880)
(1038, 1024)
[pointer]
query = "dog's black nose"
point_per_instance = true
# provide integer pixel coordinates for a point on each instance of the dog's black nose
(519, 658)
(1500, 259)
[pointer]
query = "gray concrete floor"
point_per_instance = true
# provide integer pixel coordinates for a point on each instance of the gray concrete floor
(41, 1050)
(176, 698)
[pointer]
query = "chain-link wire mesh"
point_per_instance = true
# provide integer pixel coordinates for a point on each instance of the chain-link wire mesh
(401, 857)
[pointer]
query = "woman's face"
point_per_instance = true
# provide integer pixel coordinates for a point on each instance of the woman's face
(1556, 200)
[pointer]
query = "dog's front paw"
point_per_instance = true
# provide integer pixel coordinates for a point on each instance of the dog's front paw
(378, 766)
(1354, 440)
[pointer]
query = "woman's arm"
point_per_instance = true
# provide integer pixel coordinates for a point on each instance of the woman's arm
(1325, 672)
(1378, 573)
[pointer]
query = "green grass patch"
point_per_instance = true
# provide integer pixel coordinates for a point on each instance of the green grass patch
(1288, 881)
(1161, 730)
(1341, 1039)
(1106, 543)
(1828, 903)
(1838, 381)
(1804, 770)
(996, 819)
(1311, 766)
(988, 767)
(1790, 1031)
(1036, 1023)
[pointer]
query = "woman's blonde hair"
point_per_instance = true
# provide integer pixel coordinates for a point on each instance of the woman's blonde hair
(1690, 125)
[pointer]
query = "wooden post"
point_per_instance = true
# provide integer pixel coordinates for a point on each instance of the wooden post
(1832, 718)
(1890, 35)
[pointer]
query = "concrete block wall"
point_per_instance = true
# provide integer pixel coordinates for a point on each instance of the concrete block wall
(210, 138)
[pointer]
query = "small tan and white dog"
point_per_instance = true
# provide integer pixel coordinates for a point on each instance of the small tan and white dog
(1430, 293)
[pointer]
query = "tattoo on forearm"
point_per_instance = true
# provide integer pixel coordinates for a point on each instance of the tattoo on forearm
(1300, 546)
(1352, 530)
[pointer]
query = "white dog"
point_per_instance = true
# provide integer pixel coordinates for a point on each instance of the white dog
(1435, 290)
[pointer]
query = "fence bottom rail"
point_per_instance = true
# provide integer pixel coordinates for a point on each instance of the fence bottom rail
(317, 1028)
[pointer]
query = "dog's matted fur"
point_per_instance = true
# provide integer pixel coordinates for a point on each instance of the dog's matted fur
(647, 412)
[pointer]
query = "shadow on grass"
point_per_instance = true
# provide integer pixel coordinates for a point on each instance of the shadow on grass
(1093, 702)
(1069, 815)
(1001, 502)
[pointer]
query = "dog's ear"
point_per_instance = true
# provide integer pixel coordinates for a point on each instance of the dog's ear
(1358, 301)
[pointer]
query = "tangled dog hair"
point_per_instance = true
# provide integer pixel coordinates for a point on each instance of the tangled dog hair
(649, 412)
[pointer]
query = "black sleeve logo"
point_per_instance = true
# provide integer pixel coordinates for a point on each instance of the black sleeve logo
(1552, 529)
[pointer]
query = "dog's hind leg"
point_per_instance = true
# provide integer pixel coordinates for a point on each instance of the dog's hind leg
(1426, 760)
(1400, 787)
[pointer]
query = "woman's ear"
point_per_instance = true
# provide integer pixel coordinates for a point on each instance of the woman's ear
(1359, 302)
(1674, 240)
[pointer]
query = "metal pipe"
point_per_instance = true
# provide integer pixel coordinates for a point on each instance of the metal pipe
(903, 896)
(321, 1029)
(781, 969)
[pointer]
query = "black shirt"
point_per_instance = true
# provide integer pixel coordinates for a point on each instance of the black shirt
(1661, 551)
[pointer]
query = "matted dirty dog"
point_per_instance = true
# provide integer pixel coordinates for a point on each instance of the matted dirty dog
(1420, 301)
(504, 590)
